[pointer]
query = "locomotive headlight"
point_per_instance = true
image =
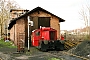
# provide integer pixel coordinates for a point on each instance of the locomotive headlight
(42, 37)
(53, 41)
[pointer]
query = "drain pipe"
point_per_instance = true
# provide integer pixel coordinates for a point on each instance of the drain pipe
(30, 24)
(28, 33)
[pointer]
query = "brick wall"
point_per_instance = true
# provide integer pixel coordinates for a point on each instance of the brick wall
(12, 34)
(55, 24)
(16, 13)
(20, 29)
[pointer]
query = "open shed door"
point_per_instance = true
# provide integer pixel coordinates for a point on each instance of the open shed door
(35, 23)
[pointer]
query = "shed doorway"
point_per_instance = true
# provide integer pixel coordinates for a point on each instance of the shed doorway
(43, 21)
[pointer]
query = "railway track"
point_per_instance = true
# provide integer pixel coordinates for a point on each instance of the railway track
(58, 54)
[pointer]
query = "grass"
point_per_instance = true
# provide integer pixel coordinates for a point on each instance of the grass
(8, 44)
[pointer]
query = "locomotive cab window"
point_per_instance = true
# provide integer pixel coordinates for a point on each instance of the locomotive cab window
(37, 33)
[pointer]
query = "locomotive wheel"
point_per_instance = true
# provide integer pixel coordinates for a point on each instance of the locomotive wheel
(43, 47)
(59, 46)
(62, 47)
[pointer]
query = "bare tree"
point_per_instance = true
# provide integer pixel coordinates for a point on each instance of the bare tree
(5, 6)
(85, 14)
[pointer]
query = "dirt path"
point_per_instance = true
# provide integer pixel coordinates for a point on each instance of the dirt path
(34, 54)
(4, 56)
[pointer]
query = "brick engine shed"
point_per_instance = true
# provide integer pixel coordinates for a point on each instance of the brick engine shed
(19, 26)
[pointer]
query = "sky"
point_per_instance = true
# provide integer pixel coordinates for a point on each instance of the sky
(65, 9)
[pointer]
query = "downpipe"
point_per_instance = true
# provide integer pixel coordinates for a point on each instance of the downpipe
(28, 34)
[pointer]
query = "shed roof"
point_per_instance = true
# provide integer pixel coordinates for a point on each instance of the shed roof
(29, 12)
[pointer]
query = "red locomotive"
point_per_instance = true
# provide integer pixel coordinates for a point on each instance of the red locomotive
(46, 38)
